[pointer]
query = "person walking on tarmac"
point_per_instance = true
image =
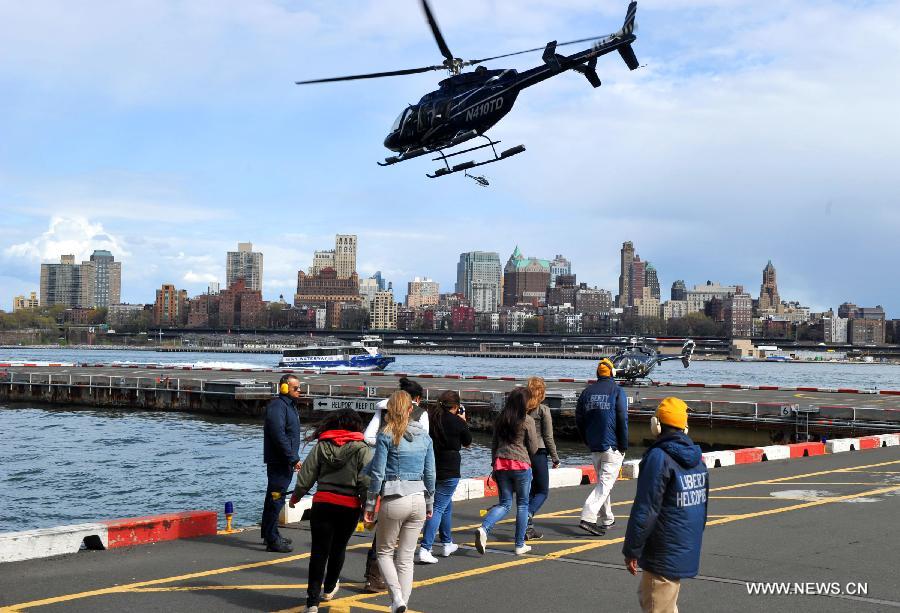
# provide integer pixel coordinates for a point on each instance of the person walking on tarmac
(336, 464)
(374, 581)
(665, 529)
(281, 448)
(602, 420)
(540, 476)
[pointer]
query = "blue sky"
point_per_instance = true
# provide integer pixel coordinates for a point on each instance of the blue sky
(168, 131)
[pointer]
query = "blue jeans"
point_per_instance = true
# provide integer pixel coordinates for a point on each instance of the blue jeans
(507, 482)
(540, 481)
(442, 517)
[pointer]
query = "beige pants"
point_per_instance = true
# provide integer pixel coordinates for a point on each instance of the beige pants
(658, 594)
(598, 507)
(400, 520)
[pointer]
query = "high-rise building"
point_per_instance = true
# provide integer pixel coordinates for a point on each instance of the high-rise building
(107, 275)
(702, 294)
(636, 280)
(382, 284)
(559, 266)
(241, 307)
(321, 261)
(345, 255)
(834, 328)
(563, 292)
(244, 264)
(593, 300)
(367, 290)
(21, 302)
(317, 290)
(479, 278)
(651, 280)
(525, 280)
(626, 257)
(384, 311)
(739, 314)
(171, 306)
(213, 288)
(679, 290)
(67, 284)
(422, 292)
(768, 291)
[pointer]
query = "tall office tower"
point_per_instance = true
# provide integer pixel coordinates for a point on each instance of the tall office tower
(244, 264)
(107, 278)
(321, 261)
(345, 255)
(626, 257)
(479, 278)
(67, 284)
(651, 280)
(382, 285)
(422, 292)
(636, 280)
(559, 266)
(213, 288)
(768, 291)
(384, 311)
(679, 290)
(525, 280)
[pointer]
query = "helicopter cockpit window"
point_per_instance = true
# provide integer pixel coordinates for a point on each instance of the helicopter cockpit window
(410, 119)
(399, 121)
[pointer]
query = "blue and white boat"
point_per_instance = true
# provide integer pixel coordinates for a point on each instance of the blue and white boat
(359, 355)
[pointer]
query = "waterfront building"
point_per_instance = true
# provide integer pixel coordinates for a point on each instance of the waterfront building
(525, 280)
(213, 288)
(462, 318)
(479, 277)
(67, 284)
(851, 311)
(593, 300)
(367, 290)
(321, 261)
(345, 255)
(679, 291)
(768, 291)
(559, 266)
(384, 311)
(21, 302)
(244, 264)
(834, 328)
(562, 320)
(317, 290)
(563, 292)
(651, 280)
(171, 306)
(739, 314)
(636, 279)
(125, 315)
(422, 292)
(861, 332)
(513, 320)
(674, 309)
(107, 278)
(203, 311)
(701, 294)
(626, 257)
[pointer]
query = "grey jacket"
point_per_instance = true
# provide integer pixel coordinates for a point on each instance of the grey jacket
(521, 448)
(543, 424)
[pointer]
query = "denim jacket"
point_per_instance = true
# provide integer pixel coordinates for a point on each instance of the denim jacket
(398, 470)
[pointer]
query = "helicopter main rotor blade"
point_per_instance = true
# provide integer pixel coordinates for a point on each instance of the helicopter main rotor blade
(438, 37)
(497, 57)
(373, 75)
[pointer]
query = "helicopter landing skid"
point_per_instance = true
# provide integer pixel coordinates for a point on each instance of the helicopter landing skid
(449, 170)
(419, 151)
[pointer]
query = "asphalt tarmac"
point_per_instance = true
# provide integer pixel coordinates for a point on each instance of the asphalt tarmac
(829, 520)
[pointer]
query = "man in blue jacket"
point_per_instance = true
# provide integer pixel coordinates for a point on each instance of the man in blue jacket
(665, 529)
(602, 420)
(281, 449)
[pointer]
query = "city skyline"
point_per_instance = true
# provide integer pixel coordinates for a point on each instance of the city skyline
(732, 145)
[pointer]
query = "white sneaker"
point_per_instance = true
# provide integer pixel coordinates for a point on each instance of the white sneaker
(426, 557)
(448, 549)
(480, 540)
(329, 595)
(523, 550)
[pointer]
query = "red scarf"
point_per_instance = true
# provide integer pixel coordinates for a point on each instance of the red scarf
(340, 437)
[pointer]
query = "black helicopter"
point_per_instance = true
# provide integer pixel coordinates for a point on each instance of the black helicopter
(467, 104)
(636, 361)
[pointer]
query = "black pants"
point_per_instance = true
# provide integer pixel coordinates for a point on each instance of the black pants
(332, 526)
(280, 476)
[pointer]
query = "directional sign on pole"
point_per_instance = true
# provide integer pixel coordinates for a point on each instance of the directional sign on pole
(329, 403)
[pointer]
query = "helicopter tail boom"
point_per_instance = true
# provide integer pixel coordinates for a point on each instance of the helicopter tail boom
(626, 51)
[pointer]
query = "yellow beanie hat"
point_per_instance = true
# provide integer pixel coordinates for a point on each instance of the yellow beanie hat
(605, 368)
(672, 411)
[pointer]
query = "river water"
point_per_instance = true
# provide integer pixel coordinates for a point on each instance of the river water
(61, 466)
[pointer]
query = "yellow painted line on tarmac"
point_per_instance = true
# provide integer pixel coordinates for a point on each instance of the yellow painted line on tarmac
(742, 498)
(214, 588)
(839, 483)
(518, 562)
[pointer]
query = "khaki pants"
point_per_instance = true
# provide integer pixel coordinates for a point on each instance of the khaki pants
(400, 521)
(598, 507)
(658, 594)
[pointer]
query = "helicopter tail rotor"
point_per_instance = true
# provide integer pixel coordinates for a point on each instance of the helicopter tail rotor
(687, 351)
(628, 29)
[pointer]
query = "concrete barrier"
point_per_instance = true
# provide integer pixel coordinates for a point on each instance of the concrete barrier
(889, 440)
(46, 542)
(630, 469)
(474, 488)
(155, 528)
(298, 513)
(801, 450)
(748, 456)
(775, 452)
(588, 474)
(718, 459)
(565, 477)
(840, 445)
(869, 442)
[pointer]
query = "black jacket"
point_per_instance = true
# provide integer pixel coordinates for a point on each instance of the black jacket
(281, 443)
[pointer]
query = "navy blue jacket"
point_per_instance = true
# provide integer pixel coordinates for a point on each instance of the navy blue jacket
(665, 529)
(602, 416)
(281, 444)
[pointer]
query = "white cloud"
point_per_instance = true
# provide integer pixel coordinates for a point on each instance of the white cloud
(67, 235)
(193, 277)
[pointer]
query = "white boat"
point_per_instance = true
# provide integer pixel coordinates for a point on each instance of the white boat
(364, 354)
